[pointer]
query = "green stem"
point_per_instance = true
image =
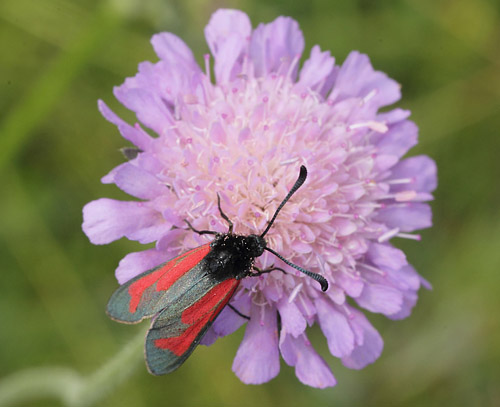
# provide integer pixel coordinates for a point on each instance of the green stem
(69, 386)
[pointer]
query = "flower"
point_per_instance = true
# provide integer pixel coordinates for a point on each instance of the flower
(244, 136)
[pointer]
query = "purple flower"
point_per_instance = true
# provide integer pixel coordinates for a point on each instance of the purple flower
(245, 137)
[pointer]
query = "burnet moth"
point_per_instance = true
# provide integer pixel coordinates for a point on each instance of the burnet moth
(186, 294)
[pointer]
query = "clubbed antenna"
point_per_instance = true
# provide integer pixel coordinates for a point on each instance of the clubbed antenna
(319, 278)
(297, 185)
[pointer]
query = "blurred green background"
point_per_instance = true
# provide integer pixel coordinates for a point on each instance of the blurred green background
(60, 56)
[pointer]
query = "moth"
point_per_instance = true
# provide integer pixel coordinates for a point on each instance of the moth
(186, 294)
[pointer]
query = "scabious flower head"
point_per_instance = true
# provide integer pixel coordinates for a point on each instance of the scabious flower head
(244, 134)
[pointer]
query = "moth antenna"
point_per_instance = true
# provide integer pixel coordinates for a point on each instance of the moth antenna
(297, 185)
(319, 278)
(224, 216)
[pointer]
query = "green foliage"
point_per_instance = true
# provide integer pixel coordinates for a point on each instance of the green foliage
(60, 56)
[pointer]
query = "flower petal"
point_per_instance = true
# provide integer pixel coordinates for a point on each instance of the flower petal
(209, 338)
(292, 319)
(336, 328)
(310, 368)
(174, 51)
(136, 263)
(228, 33)
(229, 321)
(351, 284)
(398, 139)
(135, 135)
(257, 359)
(137, 182)
(406, 278)
(148, 107)
(381, 298)
(357, 78)
(106, 220)
(317, 69)
(385, 255)
(409, 301)
(371, 344)
(275, 46)
(394, 116)
(421, 169)
(412, 216)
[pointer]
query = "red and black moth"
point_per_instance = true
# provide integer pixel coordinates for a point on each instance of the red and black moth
(186, 294)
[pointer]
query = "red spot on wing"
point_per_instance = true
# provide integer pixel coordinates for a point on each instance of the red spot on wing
(198, 315)
(167, 275)
(180, 265)
(137, 288)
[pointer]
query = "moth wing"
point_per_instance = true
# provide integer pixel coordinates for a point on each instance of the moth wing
(152, 291)
(177, 330)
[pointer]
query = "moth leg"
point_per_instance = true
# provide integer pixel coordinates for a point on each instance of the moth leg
(238, 312)
(224, 216)
(200, 232)
(268, 270)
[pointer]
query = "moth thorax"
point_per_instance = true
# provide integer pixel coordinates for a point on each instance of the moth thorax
(243, 247)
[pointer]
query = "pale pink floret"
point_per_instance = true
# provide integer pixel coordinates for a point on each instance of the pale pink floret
(245, 137)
